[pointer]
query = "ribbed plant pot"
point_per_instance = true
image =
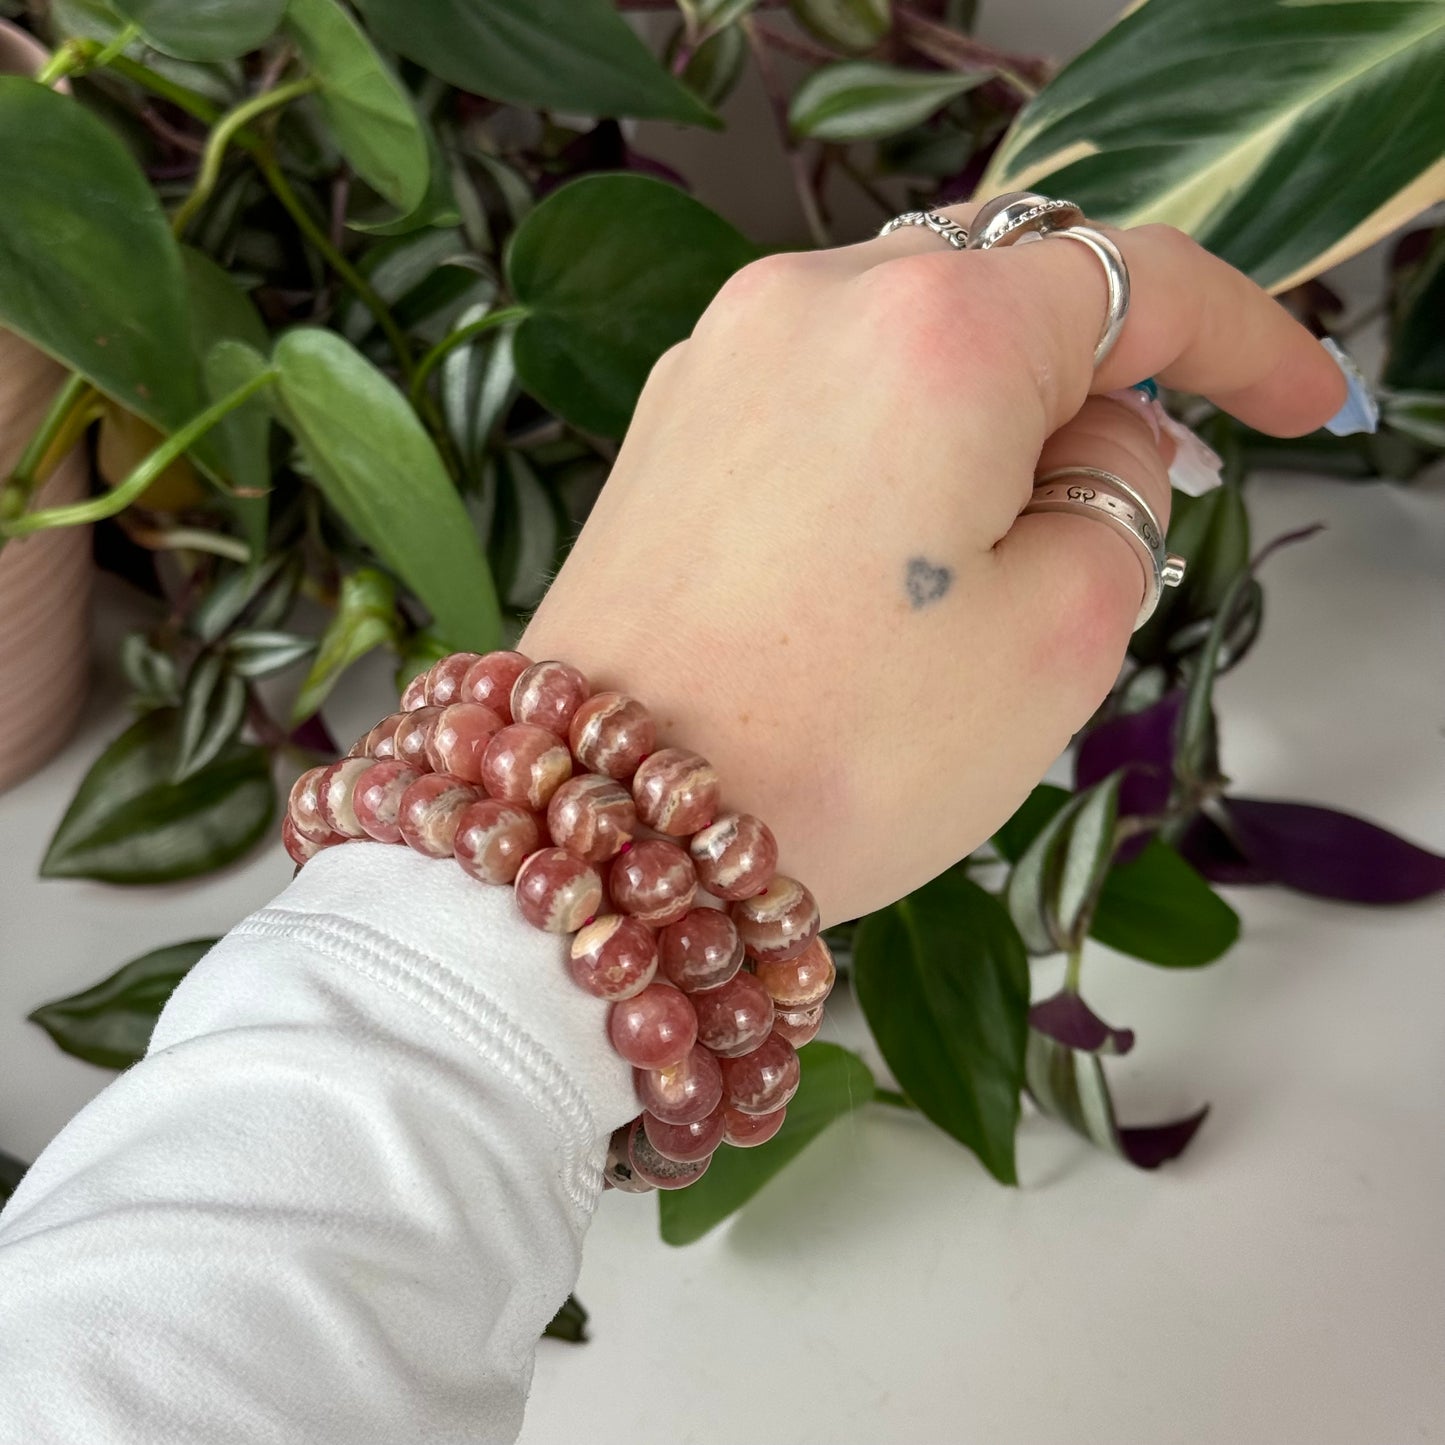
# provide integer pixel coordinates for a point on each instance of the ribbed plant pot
(45, 578)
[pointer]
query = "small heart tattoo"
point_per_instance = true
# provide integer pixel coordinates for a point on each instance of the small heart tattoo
(925, 582)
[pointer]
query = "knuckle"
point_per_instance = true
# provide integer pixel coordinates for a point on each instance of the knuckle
(1094, 604)
(761, 284)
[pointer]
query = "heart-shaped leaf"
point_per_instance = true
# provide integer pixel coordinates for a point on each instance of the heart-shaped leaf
(206, 30)
(835, 1081)
(865, 99)
(1160, 909)
(943, 981)
(365, 618)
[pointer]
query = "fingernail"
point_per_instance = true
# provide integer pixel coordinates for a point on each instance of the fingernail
(1361, 412)
(1148, 386)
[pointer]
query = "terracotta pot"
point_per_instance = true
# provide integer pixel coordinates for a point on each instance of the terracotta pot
(44, 579)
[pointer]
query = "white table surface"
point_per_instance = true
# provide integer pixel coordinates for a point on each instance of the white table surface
(1285, 1282)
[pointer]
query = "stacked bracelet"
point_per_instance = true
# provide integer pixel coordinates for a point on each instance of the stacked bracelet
(710, 959)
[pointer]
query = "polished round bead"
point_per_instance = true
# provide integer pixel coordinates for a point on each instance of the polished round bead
(303, 807)
(444, 681)
(613, 957)
(548, 694)
(526, 765)
(656, 1029)
(763, 1080)
(338, 783)
(653, 881)
(611, 733)
(799, 982)
(618, 1172)
(685, 1143)
(556, 891)
(493, 838)
(412, 738)
(746, 1131)
(459, 739)
(701, 950)
(414, 693)
(377, 798)
(303, 850)
(779, 923)
(676, 791)
(735, 1017)
(490, 680)
(686, 1092)
(798, 1025)
(430, 811)
(652, 1168)
(735, 857)
(592, 816)
(380, 742)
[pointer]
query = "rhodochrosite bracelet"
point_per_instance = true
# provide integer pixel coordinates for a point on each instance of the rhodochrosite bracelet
(710, 959)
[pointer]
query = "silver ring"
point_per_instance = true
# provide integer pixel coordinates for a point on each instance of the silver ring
(1116, 273)
(1007, 218)
(934, 221)
(1112, 500)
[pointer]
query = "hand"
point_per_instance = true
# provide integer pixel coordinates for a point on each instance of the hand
(809, 561)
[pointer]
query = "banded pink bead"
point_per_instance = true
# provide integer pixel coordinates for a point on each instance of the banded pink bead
(459, 739)
(556, 891)
(798, 1025)
(303, 807)
(414, 693)
(685, 1143)
(701, 950)
(746, 1131)
(377, 798)
(676, 791)
(778, 923)
(735, 1017)
(684, 1093)
(430, 811)
(652, 1168)
(613, 957)
(735, 857)
(799, 982)
(592, 816)
(654, 881)
(490, 679)
(763, 1080)
(380, 742)
(412, 737)
(444, 680)
(493, 838)
(655, 1029)
(548, 694)
(334, 796)
(612, 733)
(524, 764)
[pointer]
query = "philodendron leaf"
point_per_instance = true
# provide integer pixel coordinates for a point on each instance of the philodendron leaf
(943, 981)
(370, 111)
(569, 1323)
(130, 823)
(110, 1024)
(572, 55)
(365, 618)
(1158, 908)
(866, 100)
(88, 269)
(614, 269)
(1285, 135)
(377, 467)
(835, 1081)
(12, 1171)
(205, 30)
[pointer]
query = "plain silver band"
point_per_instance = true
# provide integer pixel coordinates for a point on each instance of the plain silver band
(1117, 275)
(940, 225)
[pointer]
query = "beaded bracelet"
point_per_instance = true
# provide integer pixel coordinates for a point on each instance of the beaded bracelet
(710, 999)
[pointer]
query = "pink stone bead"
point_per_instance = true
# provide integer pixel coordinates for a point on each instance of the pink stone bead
(557, 892)
(735, 857)
(493, 838)
(525, 765)
(611, 733)
(444, 681)
(778, 923)
(798, 1025)
(685, 1093)
(618, 1172)
(676, 791)
(613, 957)
(746, 1131)
(490, 680)
(592, 816)
(548, 694)
(734, 1018)
(765, 1079)
(652, 1168)
(701, 950)
(459, 739)
(303, 850)
(381, 740)
(338, 783)
(799, 982)
(412, 738)
(430, 810)
(653, 881)
(414, 694)
(656, 1029)
(685, 1143)
(303, 807)
(377, 798)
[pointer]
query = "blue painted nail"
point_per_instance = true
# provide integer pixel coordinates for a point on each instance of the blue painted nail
(1148, 386)
(1361, 412)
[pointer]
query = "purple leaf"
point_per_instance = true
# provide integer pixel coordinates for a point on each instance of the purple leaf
(1143, 742)
(315, 737)
(1211, 850)
(1068, 1020)
(1150, 1145)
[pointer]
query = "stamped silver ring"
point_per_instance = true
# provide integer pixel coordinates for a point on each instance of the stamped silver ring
(934, 221)
(1015, 214)
(1093, 492)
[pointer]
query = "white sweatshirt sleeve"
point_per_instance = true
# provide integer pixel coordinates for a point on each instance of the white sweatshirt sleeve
(341, 1196)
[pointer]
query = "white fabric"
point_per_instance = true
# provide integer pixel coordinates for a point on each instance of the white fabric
(341, 1196)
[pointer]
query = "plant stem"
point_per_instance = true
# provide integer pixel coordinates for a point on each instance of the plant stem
(72, 395)
(947, 47)
(187, 539)
(457, 338)
(221, 137)
(71, 57)
(893, 1098)
(1073, 970)
(180, 96)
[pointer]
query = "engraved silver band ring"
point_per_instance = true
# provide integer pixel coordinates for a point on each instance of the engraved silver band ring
(935, 221)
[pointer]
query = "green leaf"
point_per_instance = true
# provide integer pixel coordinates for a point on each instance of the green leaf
(438, 207)
(213, 708)
(614, 269)
(1069, 1085)
(365, 618)
(1085, 858)
(865, 99)
(943, 981)
(259, 654)
(1285, 135)
(716, 66)
(526, 533)
(1013, 839)
(129, 823)
(569, 1323)
(370, 111)
(205, 30)
(1194, 749)
(1156, 907)
(88, 269)
(1420, 415)
(377, 467)
(478, 386)
(111, 1024)
(572, 55)
(847, 24)
(12, 1171)
(150, 670)
(835, 1082)
(1416, 360)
